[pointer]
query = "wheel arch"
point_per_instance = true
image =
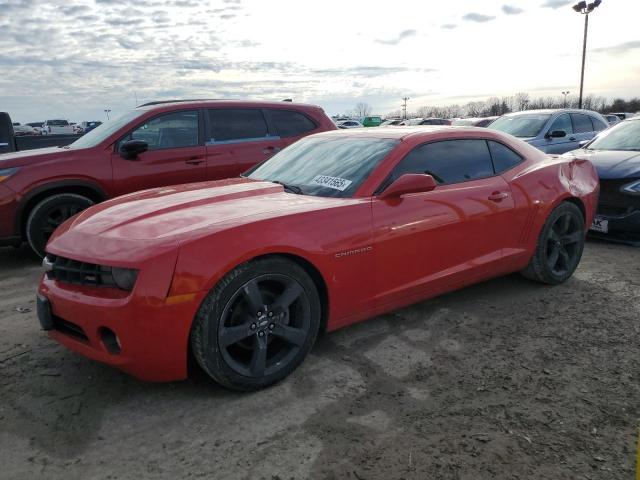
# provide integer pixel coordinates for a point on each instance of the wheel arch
(87, 189)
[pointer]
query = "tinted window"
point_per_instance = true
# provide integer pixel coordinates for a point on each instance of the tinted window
(173, 130)
(236, 124)
(450, 161)
(521, 124)
(563, 122)
(503, 157)
(290, 124)
(581, 123)
(598, 126)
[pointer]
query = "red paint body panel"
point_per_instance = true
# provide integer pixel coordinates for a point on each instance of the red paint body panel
(103, 172)
(372, 255)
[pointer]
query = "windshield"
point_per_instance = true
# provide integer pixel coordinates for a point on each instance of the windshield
(101, 132)
(624, 136)
(325, 167)
(525, 125)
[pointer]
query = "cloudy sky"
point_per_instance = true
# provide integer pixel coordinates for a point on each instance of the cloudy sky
(74, 58)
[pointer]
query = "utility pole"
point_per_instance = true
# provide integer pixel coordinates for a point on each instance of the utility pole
(584, 9)
(404, 107)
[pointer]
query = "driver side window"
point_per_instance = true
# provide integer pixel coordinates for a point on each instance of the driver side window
(172, 130)
(563, 122)
(448, 161)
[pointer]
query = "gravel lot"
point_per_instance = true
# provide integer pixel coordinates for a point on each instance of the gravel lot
(507, 379)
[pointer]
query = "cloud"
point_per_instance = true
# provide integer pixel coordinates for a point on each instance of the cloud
(556, 3)
(401, 36)
(619, 49)
(477, 17)
(449, 26)
(511, 10)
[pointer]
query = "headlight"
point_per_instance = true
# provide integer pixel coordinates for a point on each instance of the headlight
(125, 278)
(6, 173)
(632, 188)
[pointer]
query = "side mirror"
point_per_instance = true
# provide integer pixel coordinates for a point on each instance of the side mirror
(131, 149)
(556, 134)
(409, 183)
(583, 143)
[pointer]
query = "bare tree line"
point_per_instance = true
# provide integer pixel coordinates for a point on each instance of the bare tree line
(495, 106)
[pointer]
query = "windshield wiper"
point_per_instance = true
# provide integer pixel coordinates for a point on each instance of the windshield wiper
(289, 187)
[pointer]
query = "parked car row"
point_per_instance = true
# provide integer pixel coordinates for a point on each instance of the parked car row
(54, 127)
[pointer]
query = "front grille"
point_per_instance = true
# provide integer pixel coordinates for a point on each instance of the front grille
(69, 328)
(613, 201)
(66, 270)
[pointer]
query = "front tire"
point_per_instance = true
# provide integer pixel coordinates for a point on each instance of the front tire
(257, 325)
(559, 248)
(47, 215)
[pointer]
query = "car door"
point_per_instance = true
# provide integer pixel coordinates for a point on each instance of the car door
(559, 144)
(175, 154)
(237, 139)
(583, 128)
(429, 242)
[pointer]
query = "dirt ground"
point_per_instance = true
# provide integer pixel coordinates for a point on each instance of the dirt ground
(507, 380)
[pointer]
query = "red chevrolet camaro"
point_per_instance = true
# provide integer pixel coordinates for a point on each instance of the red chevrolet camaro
(337, 228)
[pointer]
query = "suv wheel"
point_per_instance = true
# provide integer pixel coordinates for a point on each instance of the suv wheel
(47, 215)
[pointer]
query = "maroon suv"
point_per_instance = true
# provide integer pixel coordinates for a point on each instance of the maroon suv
(156, 144)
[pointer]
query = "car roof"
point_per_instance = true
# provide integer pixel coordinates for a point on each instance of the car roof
(402, 133)
(222, 102)
(551, 111)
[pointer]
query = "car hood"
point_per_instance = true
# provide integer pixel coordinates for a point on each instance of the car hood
(177, 214)
(611, 164)
(26, 157)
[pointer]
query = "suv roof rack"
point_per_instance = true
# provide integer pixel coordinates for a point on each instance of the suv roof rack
(158, 102)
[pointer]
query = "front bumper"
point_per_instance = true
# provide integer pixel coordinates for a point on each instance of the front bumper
(9, 235)
(622, 226)
(152, 333)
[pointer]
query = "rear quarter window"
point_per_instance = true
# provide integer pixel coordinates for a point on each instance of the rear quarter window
(290, 124)
(503, 157)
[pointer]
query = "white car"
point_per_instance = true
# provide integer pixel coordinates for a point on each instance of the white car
(57, 127)
(20, 130)
(350, 124)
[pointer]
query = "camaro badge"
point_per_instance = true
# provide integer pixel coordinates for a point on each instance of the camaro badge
(348, 253)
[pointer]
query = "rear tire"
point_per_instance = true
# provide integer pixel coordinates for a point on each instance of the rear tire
(257, 325)
(559, 246)
(47, 215)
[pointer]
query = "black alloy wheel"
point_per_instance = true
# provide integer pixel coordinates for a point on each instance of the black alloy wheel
(264, 325)
(257, 325)
(559, 247)
(49, 214)
(564, 243)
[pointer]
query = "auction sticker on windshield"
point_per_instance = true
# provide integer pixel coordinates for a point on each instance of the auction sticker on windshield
(331, 182)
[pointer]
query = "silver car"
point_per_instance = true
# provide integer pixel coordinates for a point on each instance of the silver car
(552, 131)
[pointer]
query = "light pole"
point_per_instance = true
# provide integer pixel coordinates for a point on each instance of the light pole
(585, 9)
(404, 107)
(565, 97)
(107, 112)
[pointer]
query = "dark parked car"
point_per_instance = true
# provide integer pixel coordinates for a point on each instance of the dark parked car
(153, 145)
(552, 131)
(616, 156)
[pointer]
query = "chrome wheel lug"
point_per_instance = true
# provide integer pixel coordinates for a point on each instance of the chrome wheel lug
(259, 314)
(271, 314)
(261, 333)
(272, 326)
(253, 326)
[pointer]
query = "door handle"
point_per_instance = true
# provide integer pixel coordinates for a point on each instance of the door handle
(498, 196)
(268, 150)
(194, 160)
(573, 139)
